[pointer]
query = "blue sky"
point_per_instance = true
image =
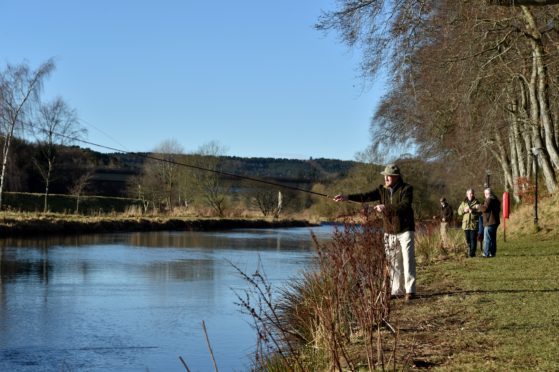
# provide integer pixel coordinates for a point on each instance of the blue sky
(253, 75)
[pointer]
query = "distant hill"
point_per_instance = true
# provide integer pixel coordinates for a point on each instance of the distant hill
(113, 170)
(118, 167)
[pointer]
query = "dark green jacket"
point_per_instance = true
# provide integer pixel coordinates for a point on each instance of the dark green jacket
(398, 216)
(447, 213)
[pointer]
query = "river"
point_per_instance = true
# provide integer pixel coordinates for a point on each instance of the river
(136, 301)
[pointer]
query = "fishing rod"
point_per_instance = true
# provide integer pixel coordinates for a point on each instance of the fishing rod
(223, 173)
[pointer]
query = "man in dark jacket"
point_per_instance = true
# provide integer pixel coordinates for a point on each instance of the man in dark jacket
(446, 221)
(490, 211)
(395, 204)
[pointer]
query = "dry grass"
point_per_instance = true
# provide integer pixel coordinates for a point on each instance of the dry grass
(429, 247)
(333, 318)
(497, 314)
(521, 222)
(29, 224)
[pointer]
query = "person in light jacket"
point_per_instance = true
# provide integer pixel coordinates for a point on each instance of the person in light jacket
(469, 210)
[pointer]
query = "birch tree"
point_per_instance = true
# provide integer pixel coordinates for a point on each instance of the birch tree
(80, 184)
(56, 125)
(20, 87)
(210, 184)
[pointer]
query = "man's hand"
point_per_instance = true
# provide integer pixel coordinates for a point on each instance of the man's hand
(379, 208)
(340, 197)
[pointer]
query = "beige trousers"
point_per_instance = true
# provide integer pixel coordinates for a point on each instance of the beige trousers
(444, 234)
(401, 256)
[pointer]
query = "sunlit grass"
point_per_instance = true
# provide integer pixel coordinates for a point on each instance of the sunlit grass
(500, 313)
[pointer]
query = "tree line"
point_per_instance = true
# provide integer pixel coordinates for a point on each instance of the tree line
(38, 139)
(474, 83)
(40, 154)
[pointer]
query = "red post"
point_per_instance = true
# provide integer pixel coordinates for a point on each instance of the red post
(506, 213)
(506, 205)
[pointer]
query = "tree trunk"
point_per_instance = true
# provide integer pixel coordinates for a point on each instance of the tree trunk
(517, 143)
(536, 43)
(47, 183)
(514, 159)
(537, 142)
(525, 123)
(5, 154)
(77, 204)
(503, 159)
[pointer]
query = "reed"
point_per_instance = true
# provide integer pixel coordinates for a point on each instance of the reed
(429, 246)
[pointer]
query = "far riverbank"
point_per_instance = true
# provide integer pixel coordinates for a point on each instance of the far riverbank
(14, 225)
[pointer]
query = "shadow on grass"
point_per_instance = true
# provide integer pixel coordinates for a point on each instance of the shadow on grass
(486, 291)
(511, 255)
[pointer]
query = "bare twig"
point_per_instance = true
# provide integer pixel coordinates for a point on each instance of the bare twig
(184, 364)
(209, 345)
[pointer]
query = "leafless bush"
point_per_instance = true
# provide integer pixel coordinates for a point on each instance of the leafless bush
(332, 315)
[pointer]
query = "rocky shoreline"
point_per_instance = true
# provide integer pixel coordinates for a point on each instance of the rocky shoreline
(10, 227)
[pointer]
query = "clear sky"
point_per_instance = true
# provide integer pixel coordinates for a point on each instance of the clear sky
(253, 75)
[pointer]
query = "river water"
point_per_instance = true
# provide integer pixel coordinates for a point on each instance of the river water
(136, 301)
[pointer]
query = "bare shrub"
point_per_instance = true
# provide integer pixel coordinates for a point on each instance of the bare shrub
(331, 314)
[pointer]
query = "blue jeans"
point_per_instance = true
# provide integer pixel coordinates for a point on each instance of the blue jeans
(490, 240)
(471, 240)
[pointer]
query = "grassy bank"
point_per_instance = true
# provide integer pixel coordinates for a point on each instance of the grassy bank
(521, 223)
(29, 224)
(472, 314)
(486, 314)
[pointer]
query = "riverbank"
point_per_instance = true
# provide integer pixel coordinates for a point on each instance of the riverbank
(500, 313)
(12, 224)
(471, 314)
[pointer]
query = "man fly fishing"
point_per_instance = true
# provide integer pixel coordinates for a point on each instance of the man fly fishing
(395, 204)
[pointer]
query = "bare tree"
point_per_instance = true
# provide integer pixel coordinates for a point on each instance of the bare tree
(20, 87)
(56, 124)
(79, 186)
(270, 202)
(472, 83)
(158, 183)
(209, 183)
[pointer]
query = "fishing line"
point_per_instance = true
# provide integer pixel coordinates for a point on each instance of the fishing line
(223, 173)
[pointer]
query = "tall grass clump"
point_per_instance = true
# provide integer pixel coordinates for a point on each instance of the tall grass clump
(429, 246)
(333, 316)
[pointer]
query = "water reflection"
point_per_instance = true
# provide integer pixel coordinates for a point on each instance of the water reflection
(135, 301)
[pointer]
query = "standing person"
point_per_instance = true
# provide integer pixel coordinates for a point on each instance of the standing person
(480, 230)
(395, 204)
(468, 209)
(446, 221)
(490, 210)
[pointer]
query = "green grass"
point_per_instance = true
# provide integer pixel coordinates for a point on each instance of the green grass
(476, 314)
